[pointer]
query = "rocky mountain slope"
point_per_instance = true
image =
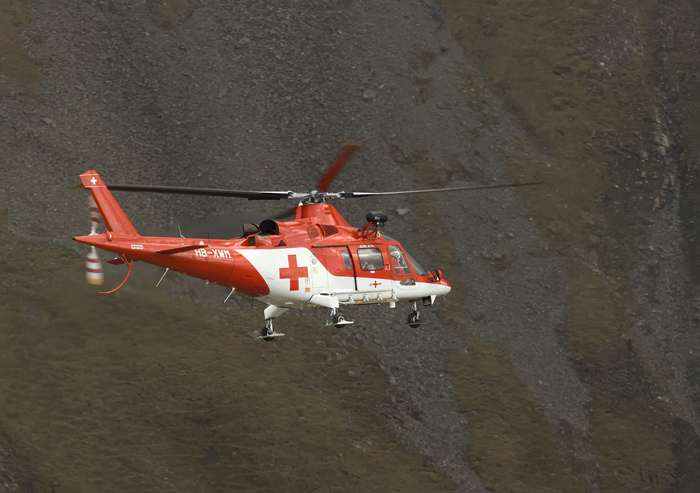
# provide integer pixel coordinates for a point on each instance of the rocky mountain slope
(566, 357)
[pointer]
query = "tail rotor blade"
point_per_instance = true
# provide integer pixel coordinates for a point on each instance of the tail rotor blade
(93, 268)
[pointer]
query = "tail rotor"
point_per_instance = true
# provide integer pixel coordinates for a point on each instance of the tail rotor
(93, 267)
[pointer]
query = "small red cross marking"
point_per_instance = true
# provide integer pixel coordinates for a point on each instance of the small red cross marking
(375, 284)
(293, 273)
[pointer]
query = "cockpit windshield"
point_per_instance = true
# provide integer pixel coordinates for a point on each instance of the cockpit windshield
(420, 271)
(416, 266)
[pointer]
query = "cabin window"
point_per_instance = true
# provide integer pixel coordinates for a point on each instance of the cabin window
(346, 259)
(370, 258)
(398, 261)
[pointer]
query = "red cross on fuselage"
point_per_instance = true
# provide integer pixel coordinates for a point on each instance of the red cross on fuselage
(293, 273)
(375, 284)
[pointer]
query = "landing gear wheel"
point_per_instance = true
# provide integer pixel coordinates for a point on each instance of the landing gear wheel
(268, 332)
(338, 320)
(265, 334)
(414, 320)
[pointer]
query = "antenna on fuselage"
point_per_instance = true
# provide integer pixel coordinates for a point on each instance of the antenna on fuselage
(163, 276)
(182, 243)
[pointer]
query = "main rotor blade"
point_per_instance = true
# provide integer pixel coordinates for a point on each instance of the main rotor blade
(353, 195)
(212, 192)
(338, 164)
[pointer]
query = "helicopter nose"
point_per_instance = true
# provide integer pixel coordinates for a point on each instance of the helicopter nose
(441, 287)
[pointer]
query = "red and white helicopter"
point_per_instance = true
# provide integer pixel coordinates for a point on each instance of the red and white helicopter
(316, 259)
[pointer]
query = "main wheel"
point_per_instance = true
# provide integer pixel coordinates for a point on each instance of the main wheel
(337, 320)
(265, 335)
(413, 320)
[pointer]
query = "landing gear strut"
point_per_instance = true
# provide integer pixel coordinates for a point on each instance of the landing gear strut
(268, 332)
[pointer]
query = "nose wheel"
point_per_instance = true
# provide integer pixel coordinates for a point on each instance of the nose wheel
(414, 320)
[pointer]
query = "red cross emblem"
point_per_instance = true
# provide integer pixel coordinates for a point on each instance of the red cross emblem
(293, 273)
(375, 284)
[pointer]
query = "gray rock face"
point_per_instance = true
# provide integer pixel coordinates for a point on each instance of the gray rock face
(258, 95)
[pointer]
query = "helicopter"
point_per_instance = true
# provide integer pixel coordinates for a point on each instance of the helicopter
(316, 259)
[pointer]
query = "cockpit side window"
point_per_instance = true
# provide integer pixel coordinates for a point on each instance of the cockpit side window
(370, 258)
(398, 261)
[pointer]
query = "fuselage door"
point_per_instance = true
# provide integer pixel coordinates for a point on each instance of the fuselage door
(372, 269)
(319, 273)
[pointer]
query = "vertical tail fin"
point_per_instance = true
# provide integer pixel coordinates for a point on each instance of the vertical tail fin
(112, 215)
